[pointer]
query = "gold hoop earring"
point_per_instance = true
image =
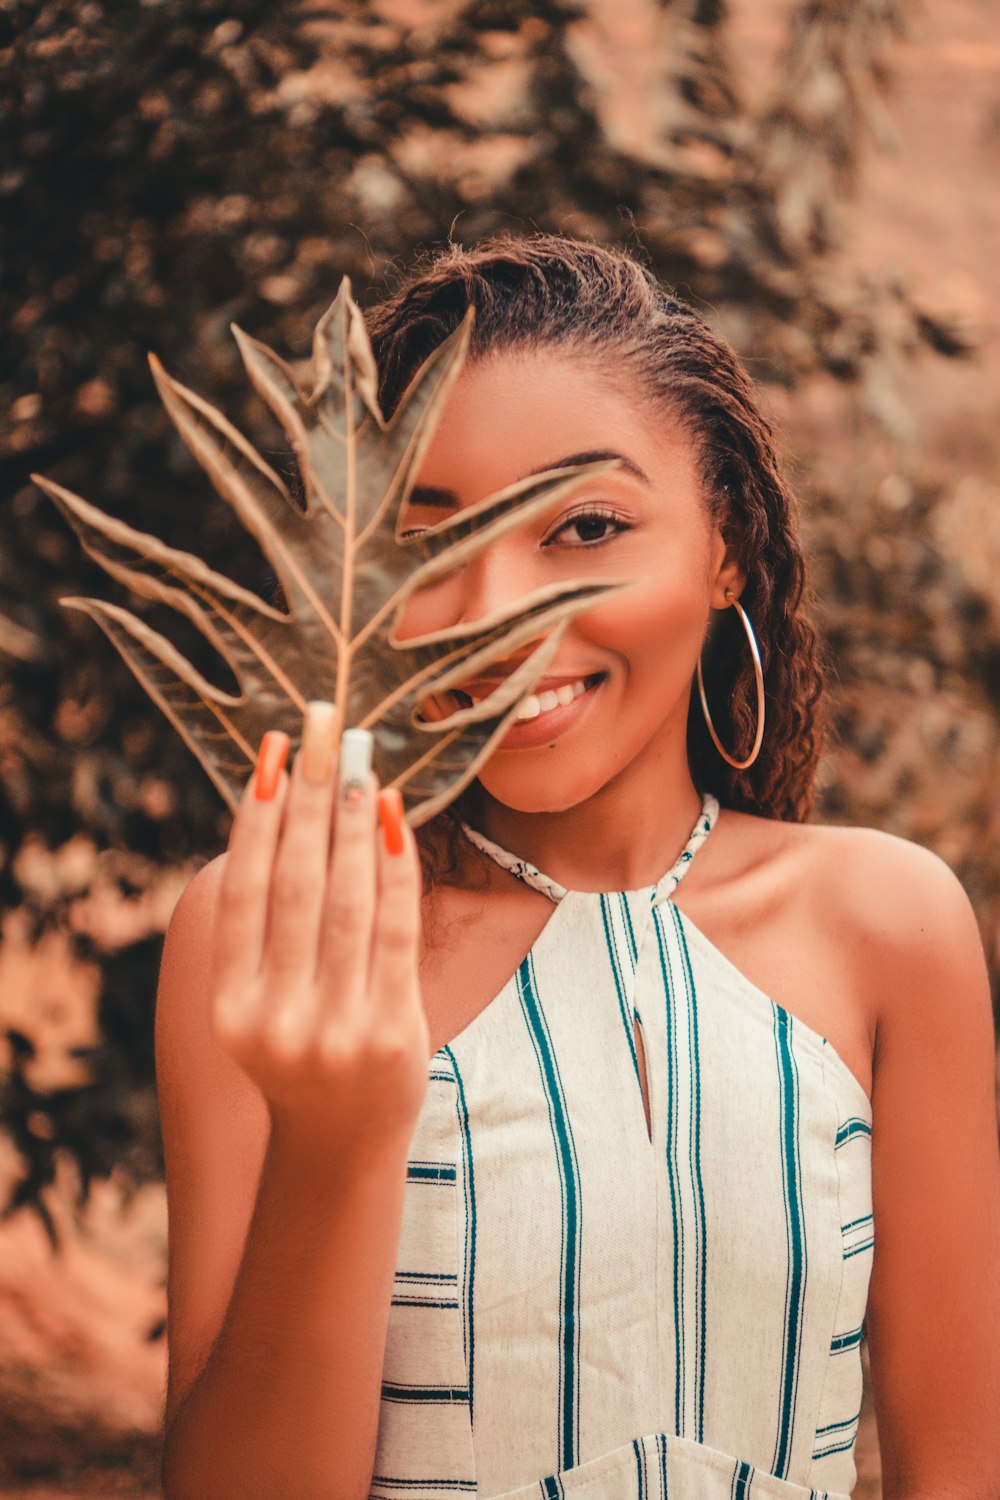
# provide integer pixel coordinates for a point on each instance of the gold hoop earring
(741, 765)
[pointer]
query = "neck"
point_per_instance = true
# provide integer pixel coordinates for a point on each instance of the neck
(624, 837)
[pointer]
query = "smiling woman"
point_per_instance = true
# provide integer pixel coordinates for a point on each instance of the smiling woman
(609, 1176)
(647, 523)
(581, 330)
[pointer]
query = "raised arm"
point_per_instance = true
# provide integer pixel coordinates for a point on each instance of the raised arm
(292, 1054)
(934, 1303)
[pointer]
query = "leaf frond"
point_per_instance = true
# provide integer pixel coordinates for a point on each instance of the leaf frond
(343, 570)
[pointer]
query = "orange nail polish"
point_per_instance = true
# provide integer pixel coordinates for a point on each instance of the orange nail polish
(271, 759)
(390, 816)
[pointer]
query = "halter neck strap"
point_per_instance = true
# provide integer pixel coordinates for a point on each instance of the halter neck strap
(664, 887)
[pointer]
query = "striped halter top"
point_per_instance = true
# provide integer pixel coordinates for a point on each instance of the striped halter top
(582, 1310)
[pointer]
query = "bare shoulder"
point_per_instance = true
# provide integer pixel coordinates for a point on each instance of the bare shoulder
(198, 897)
(875, 882)
(821, 849)
(186, 947)
(889, 882)
(890, 910)
(889, 892)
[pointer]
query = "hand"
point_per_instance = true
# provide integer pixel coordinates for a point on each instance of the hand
(314, 987)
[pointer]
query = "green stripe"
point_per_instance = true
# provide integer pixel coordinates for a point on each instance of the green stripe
(661, 1448)
(421, 1302)
(629, 929)
(701, 1243)
(742, 1480)
(388, 1482)
(569, 1315)
(469, 1193)
(616, 970)
(430, 1171)
(640, 1469)
(839, 1426)
(850, 1128)
(836, 1448)
(671, 1151)
(421, 1276)
(430, 1395)
(795, 1237)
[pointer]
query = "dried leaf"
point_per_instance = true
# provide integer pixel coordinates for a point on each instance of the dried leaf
(344, 571)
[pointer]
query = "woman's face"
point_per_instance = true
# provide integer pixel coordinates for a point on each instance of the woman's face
(625, 665)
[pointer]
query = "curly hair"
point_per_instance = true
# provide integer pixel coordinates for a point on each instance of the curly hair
(547, 290)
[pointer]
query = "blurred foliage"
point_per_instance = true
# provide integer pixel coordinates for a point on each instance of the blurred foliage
(177, 164)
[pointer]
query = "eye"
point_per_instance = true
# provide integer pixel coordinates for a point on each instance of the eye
(592, 526)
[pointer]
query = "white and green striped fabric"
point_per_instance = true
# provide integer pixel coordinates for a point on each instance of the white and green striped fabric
(579, 1310)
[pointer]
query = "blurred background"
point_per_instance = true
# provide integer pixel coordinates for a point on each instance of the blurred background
(820, 177)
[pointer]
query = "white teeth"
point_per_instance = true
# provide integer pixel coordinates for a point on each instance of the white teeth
(543, 703)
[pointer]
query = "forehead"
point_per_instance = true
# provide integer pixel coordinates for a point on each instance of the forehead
(520, 411)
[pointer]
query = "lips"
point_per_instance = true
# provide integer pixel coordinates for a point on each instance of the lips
(549, 692)
(480, 687)
(538, 722)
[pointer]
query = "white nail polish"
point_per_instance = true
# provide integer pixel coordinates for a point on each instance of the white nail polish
(356, 747)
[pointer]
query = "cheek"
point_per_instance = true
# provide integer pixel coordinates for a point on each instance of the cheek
(432, 608)
(656, 627)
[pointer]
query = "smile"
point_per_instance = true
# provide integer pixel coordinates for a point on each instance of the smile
(534, 705)
(544, 717)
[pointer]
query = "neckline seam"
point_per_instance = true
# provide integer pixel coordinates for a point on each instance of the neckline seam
(529, 874)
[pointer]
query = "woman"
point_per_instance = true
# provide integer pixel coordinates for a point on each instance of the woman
(586, 1168)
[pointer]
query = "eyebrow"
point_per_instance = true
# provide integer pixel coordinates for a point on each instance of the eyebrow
(442, 499)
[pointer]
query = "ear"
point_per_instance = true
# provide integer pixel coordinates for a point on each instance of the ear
(725, 571)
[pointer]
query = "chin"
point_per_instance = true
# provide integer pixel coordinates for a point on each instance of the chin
(538, 791)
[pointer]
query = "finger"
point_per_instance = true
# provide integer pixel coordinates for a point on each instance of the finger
(299, 881)
(396, 936)
(345, 939)
(241, 916)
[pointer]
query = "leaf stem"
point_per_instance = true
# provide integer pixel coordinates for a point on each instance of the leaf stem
(345, 646)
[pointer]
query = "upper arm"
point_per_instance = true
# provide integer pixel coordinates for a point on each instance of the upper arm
(215, 1128)
(933, 1315)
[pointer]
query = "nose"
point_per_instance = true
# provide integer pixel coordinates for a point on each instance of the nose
(496, 578)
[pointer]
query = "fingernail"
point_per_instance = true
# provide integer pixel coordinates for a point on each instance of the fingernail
(390, 815)
(271, 759)
(316, 749)
(355, 763)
